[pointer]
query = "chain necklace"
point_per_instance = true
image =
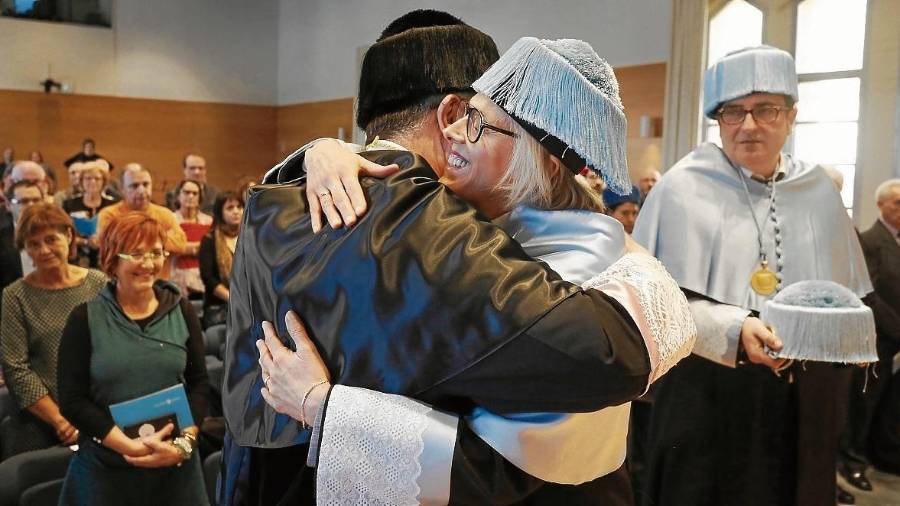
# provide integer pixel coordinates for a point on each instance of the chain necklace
(763, 281)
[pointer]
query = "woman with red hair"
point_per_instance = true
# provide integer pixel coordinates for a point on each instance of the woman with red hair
(138, 336)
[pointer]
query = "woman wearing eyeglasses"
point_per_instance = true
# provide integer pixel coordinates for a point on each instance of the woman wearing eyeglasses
(507, 158)
(136, 337)
(35, 309)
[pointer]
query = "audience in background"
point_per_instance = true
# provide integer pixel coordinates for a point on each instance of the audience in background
(648, 179)
(19, 196)
(35, 309)
(138, 336)
(73, 188)
(137, 189)
(84, 209)
(216, 254)
(194, 168)
(31, 171)
(623, 208)
(9, 155)
(195, 223)
(592, 180)
(38, 158)
(87, 153)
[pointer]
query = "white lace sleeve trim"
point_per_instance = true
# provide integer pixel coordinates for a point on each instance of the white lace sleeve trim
(657, 305)
(372, 450)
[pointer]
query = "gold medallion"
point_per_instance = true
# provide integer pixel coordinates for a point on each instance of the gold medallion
(763, 281)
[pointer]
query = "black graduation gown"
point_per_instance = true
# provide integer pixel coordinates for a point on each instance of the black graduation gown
(559, 348)
(721, 436)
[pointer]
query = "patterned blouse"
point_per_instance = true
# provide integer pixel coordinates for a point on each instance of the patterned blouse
(30, 330)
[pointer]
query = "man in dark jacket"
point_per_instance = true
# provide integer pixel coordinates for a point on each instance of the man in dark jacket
(872, 435)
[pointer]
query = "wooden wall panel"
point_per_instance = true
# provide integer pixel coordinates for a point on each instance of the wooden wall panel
(643, 92)
(301, 123)
(235, 139)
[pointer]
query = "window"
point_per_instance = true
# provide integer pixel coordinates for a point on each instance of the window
(830, 40)
(735, 25)
(87, 12)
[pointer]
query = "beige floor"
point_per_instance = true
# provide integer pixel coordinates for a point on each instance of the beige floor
(886, 490)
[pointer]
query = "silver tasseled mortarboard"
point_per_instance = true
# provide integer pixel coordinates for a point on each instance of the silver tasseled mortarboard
(822, 321)
(759, 69)
(567, 97)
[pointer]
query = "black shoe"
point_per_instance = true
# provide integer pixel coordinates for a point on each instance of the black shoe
(845, 498)
(857, 478)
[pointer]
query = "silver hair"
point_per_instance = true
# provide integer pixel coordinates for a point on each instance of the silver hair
(885, 188)
(528, 181)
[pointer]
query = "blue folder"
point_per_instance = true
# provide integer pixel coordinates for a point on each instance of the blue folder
(167, 403)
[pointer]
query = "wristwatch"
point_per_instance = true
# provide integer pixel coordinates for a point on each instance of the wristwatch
(185, 445)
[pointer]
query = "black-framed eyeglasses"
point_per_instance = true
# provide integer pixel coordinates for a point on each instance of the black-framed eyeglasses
(761, 114)
(475, 125)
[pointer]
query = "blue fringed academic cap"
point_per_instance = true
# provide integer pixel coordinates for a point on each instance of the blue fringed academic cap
(823, 321)
(566, 97)
(760, 69)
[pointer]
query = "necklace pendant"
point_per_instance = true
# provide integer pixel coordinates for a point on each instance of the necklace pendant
(763, 281)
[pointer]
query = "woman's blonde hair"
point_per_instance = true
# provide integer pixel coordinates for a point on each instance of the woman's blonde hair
(531, 180)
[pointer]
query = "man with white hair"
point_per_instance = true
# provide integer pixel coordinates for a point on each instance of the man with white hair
(871, 435)
(734, 423)
(27, 170)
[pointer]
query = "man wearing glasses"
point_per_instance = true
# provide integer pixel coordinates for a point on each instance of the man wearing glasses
(15, 263)
(733, 423)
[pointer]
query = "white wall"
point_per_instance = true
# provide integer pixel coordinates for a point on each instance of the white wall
(200, 50)
(318, 41)
(289, 51)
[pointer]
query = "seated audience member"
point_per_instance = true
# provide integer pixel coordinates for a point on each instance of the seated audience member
(592, 180)
(35, 309)
(85, 208)
(74, 185)
(16, 263)
(194, 167)
(87, 153)
(136, 337)
(217, 253)
(38, 158)
(31, 171)
(186, 273)
(648, 179)
(137, 188)
(9, 155)
(623, 208)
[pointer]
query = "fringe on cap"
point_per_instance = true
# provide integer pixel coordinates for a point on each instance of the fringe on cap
(565, 89)
(822, 321)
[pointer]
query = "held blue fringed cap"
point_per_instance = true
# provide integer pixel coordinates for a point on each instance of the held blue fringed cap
(822, 321)
(566, 97)
(759, 69)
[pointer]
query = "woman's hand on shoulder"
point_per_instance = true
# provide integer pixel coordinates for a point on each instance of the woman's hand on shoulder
(332, 183)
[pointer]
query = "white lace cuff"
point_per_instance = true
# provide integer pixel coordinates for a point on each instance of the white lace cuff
(379, 448)
(656, 304)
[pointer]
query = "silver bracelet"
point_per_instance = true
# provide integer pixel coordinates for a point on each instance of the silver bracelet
(303, 404)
